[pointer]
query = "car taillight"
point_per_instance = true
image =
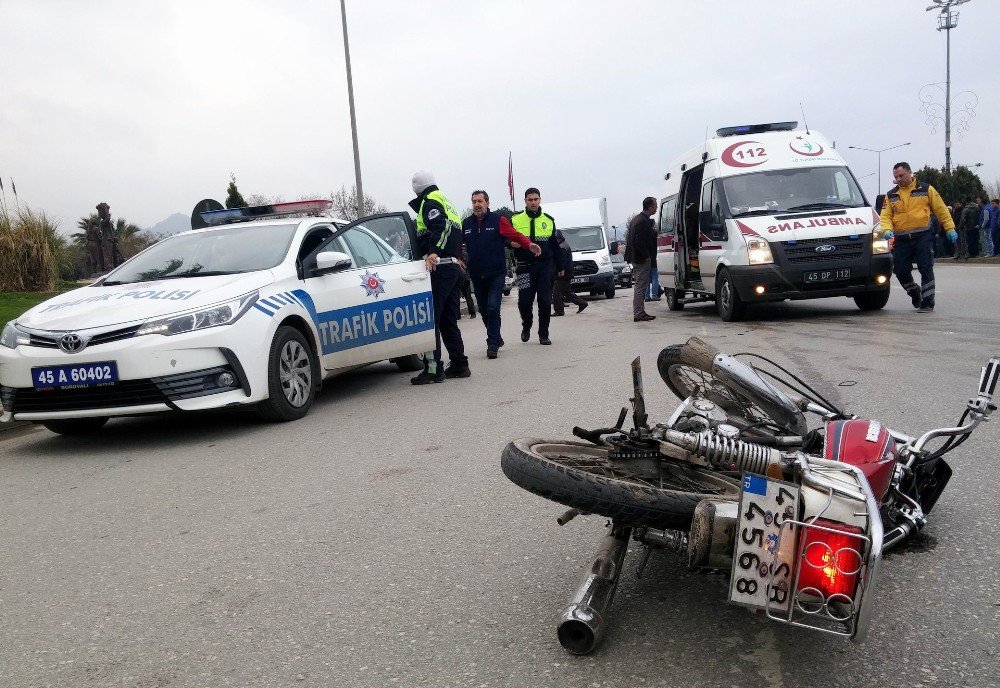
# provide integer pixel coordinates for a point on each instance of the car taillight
(831, 558)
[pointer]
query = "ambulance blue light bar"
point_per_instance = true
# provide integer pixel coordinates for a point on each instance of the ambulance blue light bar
(258, 212)
(756, 129)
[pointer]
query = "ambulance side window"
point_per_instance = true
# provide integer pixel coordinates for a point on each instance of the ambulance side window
(712, 219)
(668, 216)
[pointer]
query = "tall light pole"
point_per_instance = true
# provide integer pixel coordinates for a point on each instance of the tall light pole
(354, 122)
(880, 151)
(947, 20)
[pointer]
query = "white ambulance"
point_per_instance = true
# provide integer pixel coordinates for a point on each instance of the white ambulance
(768, 212)
(585, 226)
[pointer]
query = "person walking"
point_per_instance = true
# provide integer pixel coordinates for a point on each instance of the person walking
(986, 230)
(968, 228)
(995, 225)
(905, 216)
(486, 234)
(563, 290)
(466, 287)
(640, 251)
(439, 242)
(536, 272)
(960, 245)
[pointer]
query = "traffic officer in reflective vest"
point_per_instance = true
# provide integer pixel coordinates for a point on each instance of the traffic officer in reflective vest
(536, 272)
(439, 241)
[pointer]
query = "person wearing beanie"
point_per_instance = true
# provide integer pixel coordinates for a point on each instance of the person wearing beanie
(439, 242)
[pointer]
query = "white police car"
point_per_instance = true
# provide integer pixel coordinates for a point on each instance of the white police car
(246, 313)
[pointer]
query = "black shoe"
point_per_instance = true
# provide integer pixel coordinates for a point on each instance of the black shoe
(926, 308)
(579, 309)
(525, 334)
(453, 371)
(915, 299)
(544, 341)
(425, 378)
(556, 315)
(491, 353)
(502, 342)
(472, 314)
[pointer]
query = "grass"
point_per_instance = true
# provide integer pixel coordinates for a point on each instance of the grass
(12, 304)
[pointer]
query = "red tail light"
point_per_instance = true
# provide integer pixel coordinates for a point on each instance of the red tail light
(831, 561)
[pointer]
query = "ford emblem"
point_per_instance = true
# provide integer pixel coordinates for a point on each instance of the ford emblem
(826, 248)
(71, 343)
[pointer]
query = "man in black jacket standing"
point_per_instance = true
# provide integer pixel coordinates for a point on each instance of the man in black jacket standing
(562, 291)
(640, 250)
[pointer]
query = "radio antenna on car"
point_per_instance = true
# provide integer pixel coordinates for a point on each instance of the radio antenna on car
(803, 111)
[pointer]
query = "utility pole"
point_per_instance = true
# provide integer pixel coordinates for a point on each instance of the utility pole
(947, 20)
(880, 151)
(354, 122)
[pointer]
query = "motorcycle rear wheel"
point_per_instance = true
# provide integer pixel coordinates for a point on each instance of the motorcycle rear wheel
(581, 475)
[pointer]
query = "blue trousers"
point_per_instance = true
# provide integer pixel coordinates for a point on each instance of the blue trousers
(654, 282)
(919, 249)
(489, 292)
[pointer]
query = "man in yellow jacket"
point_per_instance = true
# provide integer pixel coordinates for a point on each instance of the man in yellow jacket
(906, 216)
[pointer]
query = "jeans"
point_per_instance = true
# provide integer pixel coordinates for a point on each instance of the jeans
(919, 249)
(986, 237)
(489, 292)
(446, 286)
(640, 273)
(654, 282)
(535, 281)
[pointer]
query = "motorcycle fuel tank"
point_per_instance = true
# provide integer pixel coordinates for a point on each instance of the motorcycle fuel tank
(865, 444)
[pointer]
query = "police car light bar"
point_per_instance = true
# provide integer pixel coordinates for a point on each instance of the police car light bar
(756, 128)
(257, 212)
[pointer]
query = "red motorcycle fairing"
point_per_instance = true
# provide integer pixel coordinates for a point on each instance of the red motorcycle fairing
(865, 444)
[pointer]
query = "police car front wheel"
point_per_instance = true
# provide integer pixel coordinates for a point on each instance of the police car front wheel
(291, 377)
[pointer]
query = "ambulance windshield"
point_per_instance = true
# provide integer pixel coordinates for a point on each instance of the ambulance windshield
(584, 238)
(780, 191)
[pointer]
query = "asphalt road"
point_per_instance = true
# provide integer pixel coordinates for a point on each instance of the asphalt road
(377, 543)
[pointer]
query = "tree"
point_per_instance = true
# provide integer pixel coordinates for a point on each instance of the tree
(963, 183)
(505, 211)
(345, 204)
(234, 199)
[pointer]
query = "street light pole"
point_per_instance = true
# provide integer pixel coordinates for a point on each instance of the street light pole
(354, 122)
(947, 20)
(880, 151)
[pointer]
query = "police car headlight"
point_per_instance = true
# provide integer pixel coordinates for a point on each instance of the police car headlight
(760, 252)
(220, 314)
(13, 337)
(879, 245)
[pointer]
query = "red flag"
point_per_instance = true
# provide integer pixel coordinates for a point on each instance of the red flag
(510, 176)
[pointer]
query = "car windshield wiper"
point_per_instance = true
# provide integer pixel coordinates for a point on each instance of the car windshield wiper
(178, 275)
(819, 206)
(759, 211)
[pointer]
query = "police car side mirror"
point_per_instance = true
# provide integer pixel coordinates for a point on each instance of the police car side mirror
(331, 261)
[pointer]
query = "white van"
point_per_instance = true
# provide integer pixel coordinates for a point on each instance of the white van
(585, 224)
(768, 212)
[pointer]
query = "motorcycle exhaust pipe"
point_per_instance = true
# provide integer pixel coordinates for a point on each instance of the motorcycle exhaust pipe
(582, 624)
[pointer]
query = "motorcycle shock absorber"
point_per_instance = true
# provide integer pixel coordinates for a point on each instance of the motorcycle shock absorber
(725, 453)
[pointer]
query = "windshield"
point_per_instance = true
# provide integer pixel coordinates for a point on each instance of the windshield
(225, 251)
(584, 238)
(811, 188)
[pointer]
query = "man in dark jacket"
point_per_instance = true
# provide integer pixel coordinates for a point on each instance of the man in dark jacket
(535, 272)
(640, 250)
(486, 234)
(439, 243)
(562, 291)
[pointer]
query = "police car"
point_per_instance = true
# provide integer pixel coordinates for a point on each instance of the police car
(243, 312)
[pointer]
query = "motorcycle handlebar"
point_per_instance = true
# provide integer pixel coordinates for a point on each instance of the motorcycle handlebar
(988, 378)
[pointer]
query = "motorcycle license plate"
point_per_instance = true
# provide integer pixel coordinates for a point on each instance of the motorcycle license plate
(827, 275)
(762, 571)
(75, 375)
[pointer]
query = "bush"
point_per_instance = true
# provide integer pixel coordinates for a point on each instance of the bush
(29, 250)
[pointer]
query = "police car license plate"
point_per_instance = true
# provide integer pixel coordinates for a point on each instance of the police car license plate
(762, 571)
(578, 280)
(75, 375)
(827, 275)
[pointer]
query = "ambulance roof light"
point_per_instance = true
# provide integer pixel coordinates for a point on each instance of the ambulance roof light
(259, 212)
(755, 128)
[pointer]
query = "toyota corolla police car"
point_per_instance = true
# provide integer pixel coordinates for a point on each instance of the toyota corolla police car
(242, 312)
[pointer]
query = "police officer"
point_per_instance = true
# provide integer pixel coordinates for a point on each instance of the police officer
(906, 215)
(535, 273)
(439, 241)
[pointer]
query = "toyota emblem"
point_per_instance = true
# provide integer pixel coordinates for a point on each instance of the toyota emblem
(826, 248)
(71, 343)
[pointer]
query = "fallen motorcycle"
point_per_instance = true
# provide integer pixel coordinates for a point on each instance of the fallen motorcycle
(737, 481)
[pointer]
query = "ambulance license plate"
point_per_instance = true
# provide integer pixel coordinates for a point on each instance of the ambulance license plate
(818, 276)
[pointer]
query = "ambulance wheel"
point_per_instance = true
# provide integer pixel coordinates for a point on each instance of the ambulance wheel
(673, 302)
(610, 293)
(409, 364)
(75, 426)
(872, 300)
(727, 300)
(291, 377)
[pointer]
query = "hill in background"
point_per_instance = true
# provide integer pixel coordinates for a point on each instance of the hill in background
(178, 222)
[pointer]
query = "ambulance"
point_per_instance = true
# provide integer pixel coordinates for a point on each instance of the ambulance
(584, 223)
(768, 212)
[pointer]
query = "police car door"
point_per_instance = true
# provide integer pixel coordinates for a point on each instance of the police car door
(380, 306)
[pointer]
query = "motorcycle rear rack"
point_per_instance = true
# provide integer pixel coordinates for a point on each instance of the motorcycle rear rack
(842, 615)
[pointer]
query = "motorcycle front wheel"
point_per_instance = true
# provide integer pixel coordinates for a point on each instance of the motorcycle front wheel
(582, 476)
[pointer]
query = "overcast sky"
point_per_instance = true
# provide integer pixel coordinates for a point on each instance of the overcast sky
(151, 105)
